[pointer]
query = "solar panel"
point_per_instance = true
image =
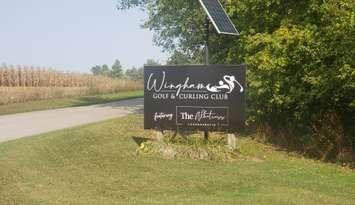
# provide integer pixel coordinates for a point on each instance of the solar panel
(219, 17)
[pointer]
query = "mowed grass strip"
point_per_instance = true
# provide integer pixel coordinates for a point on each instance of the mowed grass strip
(98, 164)
(67, 102)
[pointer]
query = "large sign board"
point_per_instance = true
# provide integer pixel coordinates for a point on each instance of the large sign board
(206, 98)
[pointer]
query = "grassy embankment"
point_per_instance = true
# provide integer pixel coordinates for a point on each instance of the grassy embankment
(67, 102)
(98, 164)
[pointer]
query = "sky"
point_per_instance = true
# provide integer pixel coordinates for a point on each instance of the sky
(73, 35)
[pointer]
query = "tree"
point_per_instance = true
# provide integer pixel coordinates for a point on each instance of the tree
(151, 62)
(96, 70)
(137, 73)
(179, 58)
(170, 21)
(134, 74)
(105, 70)
(299, 56)
(117, 71)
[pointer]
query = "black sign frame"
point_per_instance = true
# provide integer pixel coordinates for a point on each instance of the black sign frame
(195, 97)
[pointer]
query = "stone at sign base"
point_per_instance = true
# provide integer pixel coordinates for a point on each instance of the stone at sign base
(232, 141)
(159, 135)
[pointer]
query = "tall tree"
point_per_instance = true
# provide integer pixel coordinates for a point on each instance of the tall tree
(117, 71)
(96, 70)
(105, 70)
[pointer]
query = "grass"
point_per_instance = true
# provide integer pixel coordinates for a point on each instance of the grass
(99, 164)
(67, 102)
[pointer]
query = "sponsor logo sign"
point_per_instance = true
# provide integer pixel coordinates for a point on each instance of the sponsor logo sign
(194, 97)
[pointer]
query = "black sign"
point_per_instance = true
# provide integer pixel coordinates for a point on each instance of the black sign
(194, 97)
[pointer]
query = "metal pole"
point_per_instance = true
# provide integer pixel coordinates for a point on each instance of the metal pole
(207, 32)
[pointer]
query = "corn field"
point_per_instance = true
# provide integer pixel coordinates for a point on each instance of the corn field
(22, 84)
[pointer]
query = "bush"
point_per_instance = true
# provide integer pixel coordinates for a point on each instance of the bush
(300, 76)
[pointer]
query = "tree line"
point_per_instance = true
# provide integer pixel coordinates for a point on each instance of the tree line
(117, 71)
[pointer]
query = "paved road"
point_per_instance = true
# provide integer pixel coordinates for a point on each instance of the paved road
(32, 123)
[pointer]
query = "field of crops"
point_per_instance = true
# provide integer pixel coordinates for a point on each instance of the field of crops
(23, 84)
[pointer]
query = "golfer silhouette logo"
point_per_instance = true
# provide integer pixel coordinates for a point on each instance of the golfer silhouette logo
(228, 85)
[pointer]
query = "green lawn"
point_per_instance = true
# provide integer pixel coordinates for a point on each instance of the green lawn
(98, 164)
(67, 102)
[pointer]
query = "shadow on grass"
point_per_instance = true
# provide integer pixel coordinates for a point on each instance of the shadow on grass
(139, 140)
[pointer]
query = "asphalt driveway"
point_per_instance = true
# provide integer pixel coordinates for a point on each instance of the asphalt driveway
(32, 123)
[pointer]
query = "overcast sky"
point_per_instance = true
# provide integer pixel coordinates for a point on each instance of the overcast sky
(73, 35)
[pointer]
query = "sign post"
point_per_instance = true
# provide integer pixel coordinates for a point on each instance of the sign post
(223, 25)
(207, 33)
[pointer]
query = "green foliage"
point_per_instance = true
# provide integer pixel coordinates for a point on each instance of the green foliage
(134, 74)
(299, 55)
(151, 62)
(96, 70)
(172, 23)
(126, 4)
(116, 70)
(302, 70)
(137, 74)
(179, 58)
(103, 70)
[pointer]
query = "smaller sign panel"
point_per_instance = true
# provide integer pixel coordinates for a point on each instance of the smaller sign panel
(200, 117)
(194, 97)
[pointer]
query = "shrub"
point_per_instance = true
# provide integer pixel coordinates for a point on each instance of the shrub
(300, 76)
